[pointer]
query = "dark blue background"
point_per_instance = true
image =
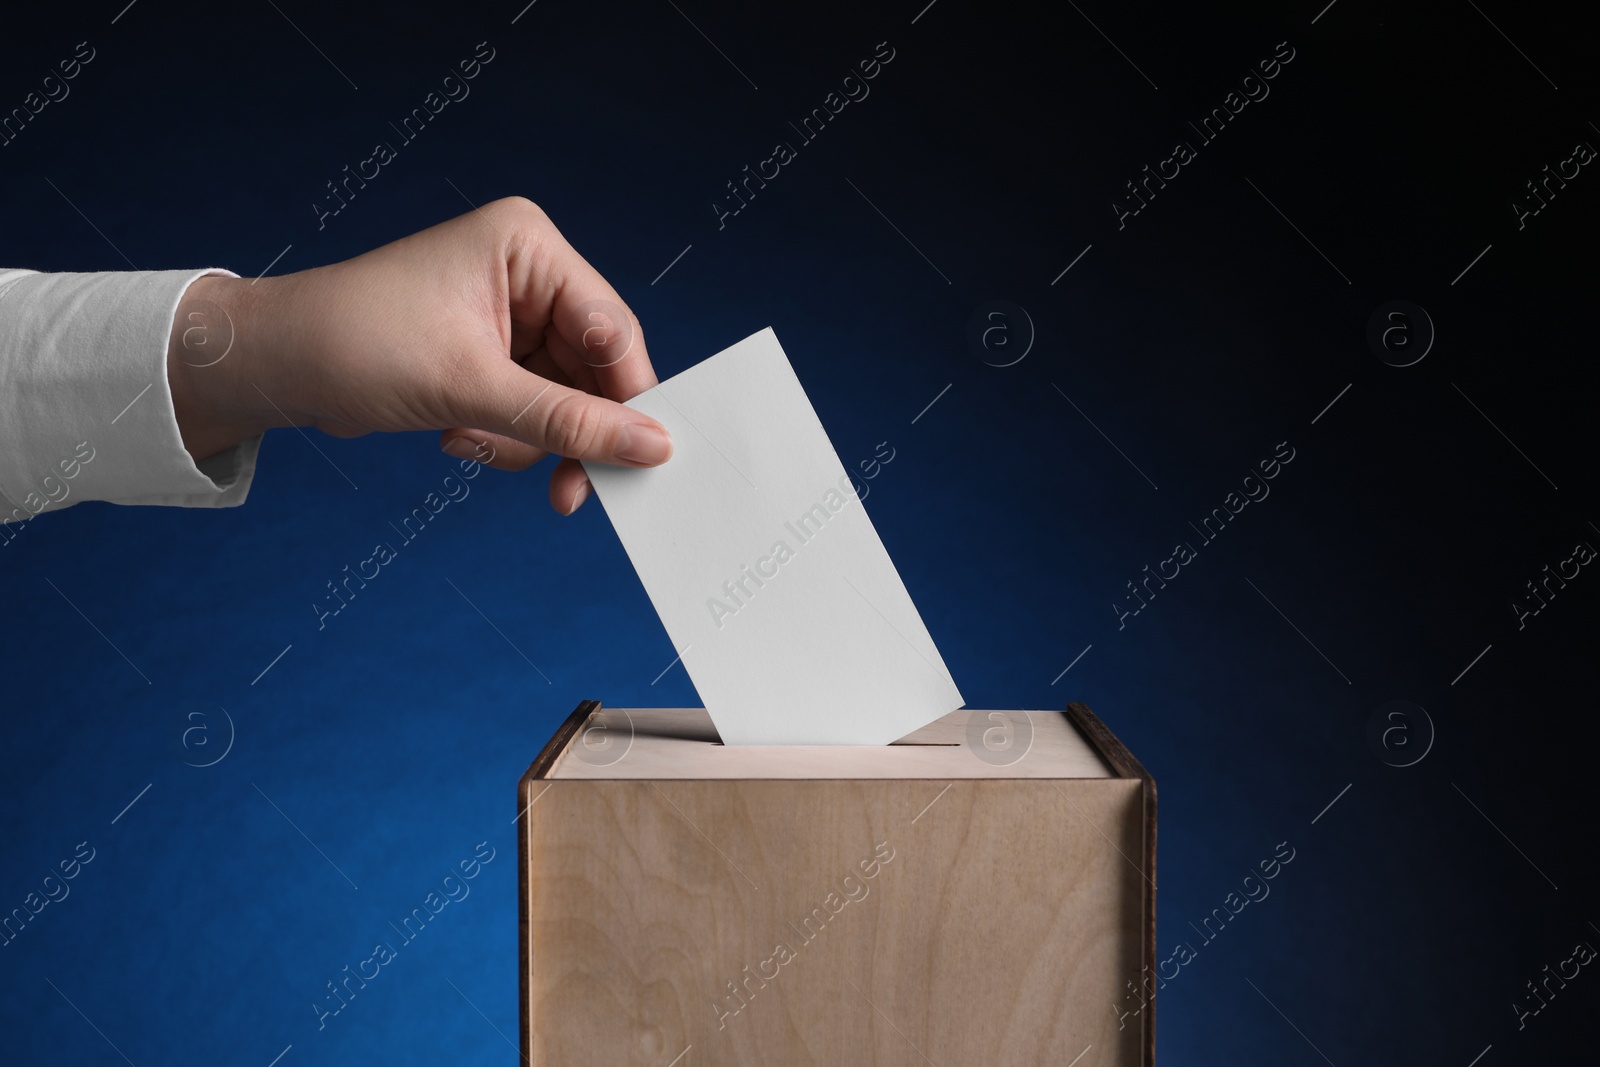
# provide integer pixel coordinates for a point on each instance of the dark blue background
(1196, 338)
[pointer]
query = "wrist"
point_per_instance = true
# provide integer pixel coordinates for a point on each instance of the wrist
(217, 357)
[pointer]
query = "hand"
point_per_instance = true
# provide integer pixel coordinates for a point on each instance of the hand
(489, 327)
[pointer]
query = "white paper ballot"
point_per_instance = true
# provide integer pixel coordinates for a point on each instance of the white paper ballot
(781, 601)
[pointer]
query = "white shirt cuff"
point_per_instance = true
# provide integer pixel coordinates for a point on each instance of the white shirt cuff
(86, 410)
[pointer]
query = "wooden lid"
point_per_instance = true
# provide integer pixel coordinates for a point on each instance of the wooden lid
(682, 743)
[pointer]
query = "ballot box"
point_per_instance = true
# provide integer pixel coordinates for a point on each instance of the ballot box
(980, 892)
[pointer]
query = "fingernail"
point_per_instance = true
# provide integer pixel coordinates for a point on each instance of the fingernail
(460, 448)
(639, 443)
(579, 497)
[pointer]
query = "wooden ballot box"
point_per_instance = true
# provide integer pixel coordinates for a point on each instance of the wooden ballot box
(980, 892)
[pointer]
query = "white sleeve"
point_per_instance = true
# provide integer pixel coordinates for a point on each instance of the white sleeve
(85, 406)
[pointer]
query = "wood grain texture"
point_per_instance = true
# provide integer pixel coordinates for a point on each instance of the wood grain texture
(663, 743)
(540, 767)
(1117, 756)
(736, 918)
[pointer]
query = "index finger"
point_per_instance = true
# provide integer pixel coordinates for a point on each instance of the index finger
(590, 328)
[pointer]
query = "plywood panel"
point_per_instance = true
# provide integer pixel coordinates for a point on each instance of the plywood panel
(737, 917)
(681, 743)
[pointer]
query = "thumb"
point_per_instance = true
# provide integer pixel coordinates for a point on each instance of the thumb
(512, 401)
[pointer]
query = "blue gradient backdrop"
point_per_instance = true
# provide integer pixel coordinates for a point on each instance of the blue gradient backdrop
(1198, 336)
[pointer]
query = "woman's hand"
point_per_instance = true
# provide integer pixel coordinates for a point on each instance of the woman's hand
(489, 327)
